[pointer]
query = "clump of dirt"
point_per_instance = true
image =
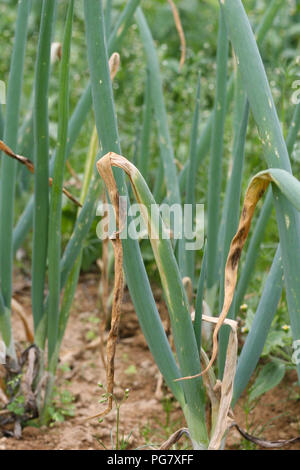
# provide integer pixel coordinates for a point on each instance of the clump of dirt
(149, 415)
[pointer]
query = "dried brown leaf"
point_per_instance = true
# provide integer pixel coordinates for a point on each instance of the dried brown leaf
(105, 170)
(180, 32)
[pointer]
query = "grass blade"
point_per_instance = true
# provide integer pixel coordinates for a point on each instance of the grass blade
(54, 248)
(146, 130)
(205, 137)
(41, 162)
(215, 163)
(190, 195)
(108, 9)
(165, 144)
(122, 24)
(199, 302)
(268, 19)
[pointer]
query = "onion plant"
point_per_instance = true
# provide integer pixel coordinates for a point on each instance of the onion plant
(187, 371)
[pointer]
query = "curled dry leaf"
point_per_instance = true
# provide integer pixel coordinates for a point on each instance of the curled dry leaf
(105, 170)
(175, 438)
(255, 191)
(180, 32)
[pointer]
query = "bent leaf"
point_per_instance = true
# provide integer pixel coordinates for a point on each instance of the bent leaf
(176, 299)
(289, 187)
(174, 290)
(106, 173)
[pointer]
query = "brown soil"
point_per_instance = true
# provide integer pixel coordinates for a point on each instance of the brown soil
(148, 418)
